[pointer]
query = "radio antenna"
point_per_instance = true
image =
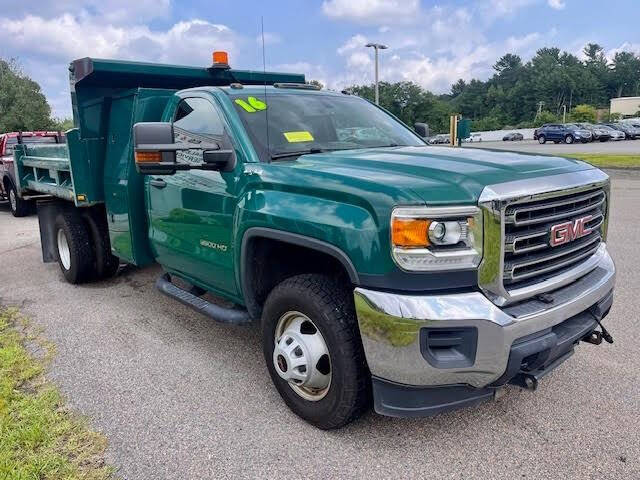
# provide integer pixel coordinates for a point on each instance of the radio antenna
(264, 78)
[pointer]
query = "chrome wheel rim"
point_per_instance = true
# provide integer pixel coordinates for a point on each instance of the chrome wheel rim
(12, 200)
(63, 250)
(301, 356)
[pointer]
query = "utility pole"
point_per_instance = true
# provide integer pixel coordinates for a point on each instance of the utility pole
(376, 47)
(564, 114)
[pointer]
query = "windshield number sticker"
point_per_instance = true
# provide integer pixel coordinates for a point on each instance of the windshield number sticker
(293, 137)
(252, 104)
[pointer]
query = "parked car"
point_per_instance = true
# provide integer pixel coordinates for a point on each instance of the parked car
(597, 132)
(614, 134)
(20, 205)
(379, 271)
(512, 137)
(567, 133)
(630, 131)
(441, 138)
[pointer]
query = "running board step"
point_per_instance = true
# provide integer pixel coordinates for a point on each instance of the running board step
(220, 314)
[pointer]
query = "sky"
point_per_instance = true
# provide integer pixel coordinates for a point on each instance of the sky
(430, 43)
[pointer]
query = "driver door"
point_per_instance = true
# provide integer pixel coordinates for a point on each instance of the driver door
(191, 212)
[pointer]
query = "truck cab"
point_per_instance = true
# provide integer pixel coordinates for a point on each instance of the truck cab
(380, 270)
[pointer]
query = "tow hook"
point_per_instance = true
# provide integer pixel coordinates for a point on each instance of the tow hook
(594, 338)
(526, 381)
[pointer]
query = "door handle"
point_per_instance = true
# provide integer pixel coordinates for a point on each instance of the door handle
(157, 182)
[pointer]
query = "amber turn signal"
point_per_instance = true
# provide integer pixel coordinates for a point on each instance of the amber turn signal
(148, 157)
(409, 232)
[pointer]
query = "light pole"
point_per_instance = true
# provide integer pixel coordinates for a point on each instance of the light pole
(564, 114)
(376, 47)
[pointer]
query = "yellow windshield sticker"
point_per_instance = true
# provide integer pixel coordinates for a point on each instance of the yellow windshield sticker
(257, 103)
(293, 137)
(252, 104)
(245, 105)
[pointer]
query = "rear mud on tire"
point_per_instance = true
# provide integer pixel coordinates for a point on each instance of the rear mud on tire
(73, 247)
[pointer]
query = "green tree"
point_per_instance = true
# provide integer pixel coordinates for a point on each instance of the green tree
(545, 117)
(597, 66)
(625, 74)
(62, 124)
(23, 106)
(583, 113)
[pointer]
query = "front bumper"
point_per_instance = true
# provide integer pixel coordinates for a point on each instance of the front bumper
(464, 340)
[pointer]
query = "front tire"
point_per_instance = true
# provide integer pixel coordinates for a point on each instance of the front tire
(541, 139)
(568, 139)
(19, 207)
(73, 246)
(302, 316)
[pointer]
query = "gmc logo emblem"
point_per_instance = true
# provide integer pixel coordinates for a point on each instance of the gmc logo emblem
(570, 231)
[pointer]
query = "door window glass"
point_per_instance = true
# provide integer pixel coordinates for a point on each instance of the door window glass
(198, 116)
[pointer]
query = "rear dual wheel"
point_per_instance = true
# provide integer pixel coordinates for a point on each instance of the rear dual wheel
(83, 248)
(75, 255)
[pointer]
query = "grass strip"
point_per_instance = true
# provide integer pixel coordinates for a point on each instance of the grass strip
(608, 161)
(39, 437)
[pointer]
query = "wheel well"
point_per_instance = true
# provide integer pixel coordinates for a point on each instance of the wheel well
(267, 262)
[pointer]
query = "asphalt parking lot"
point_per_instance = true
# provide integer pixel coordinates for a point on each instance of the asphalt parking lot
(180, 396)
(621, 147)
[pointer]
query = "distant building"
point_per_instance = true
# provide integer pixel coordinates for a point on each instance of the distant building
(625, 106)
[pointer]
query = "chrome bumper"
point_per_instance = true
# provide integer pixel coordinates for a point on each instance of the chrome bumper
(390, 327)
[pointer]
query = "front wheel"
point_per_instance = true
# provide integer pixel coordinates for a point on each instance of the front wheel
(313, 350)
(19, 207)
(542, 139)
(568, 139)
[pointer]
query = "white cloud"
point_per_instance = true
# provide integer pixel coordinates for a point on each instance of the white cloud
(376, 12)
(67, 37)
(492, 9)
(556, 4)
(625, 47)
(49, 43)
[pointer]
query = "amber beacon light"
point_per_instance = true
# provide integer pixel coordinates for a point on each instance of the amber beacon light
(220, 59)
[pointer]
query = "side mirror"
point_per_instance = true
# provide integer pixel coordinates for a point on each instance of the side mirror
(220, 160)
(154, 148)
(421, 129)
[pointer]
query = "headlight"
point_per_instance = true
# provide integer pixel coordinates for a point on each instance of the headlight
(436, 238)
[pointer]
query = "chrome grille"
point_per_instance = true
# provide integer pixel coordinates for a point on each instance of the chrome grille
(528, 254)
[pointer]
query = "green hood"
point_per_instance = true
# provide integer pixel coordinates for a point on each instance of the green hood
(435, 175)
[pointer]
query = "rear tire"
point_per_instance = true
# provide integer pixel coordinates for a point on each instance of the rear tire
(541, 139)
(326, 303)
(19, 207)
(73, 247)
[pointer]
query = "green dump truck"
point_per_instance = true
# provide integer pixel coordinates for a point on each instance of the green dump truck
(381, 270)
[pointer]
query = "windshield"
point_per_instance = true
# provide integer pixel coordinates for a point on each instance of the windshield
(311, 123)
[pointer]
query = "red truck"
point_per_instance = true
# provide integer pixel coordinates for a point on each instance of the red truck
(20, 205)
